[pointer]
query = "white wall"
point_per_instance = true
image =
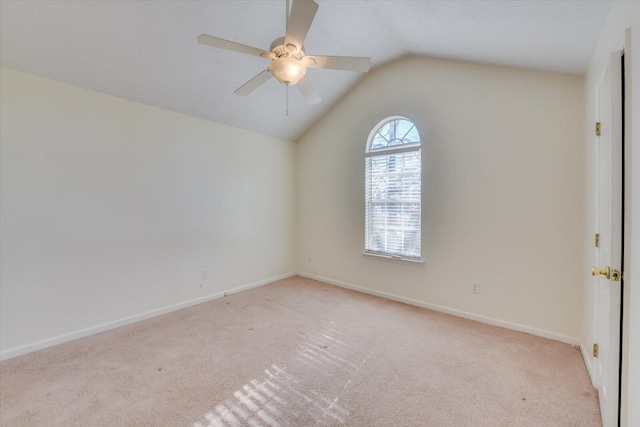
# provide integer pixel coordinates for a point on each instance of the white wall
(502, 195)
(623, 15)
(112, 209)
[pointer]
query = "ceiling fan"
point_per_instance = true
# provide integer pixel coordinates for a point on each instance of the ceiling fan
(289, 63)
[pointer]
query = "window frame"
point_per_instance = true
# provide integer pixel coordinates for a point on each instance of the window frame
(387, 151)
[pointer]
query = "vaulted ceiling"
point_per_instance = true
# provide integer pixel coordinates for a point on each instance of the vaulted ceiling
(146, 51)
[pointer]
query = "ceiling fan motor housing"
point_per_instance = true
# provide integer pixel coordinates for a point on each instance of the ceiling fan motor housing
(279, 49)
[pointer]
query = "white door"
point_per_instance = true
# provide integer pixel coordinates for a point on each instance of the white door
(609, 252)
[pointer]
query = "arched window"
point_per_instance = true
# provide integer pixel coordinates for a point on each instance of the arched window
(393, 187)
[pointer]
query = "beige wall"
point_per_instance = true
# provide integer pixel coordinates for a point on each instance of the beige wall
(503, 188)
(112, 209)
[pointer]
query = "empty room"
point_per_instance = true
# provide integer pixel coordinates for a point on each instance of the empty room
(319, 212)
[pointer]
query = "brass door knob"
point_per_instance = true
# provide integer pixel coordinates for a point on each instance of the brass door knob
(595, 271)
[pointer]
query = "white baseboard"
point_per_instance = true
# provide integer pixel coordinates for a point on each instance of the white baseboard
(50, 342)
(452, 311)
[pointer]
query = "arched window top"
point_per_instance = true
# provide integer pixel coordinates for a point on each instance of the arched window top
(391, 133)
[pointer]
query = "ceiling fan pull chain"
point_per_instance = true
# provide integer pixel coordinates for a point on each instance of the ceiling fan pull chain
(287, 106)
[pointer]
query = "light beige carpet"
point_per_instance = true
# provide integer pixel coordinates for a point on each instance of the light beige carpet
(301, 353)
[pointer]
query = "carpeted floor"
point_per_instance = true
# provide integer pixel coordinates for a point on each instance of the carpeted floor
(301, 353)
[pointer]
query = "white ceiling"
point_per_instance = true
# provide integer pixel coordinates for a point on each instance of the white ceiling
(146, 51)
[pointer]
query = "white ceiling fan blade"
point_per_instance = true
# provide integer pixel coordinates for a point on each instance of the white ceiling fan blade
(253, 84)
(347, 63)
(300, 19)
(308, 91)
(207, 40)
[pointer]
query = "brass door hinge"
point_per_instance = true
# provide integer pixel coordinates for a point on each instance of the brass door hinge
(597, 240)
(595, 350)
(598, 129)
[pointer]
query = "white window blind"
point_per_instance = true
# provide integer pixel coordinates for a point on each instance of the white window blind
(393, 172)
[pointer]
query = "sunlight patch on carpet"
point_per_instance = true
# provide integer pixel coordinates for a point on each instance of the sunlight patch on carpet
(285, 397)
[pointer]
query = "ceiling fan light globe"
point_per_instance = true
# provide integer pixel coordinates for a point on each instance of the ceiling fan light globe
(287, 71)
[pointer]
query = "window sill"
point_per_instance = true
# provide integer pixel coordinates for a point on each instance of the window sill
(395, 259)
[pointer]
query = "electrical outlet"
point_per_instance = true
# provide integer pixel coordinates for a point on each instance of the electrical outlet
(205, 274)
(475, 287)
